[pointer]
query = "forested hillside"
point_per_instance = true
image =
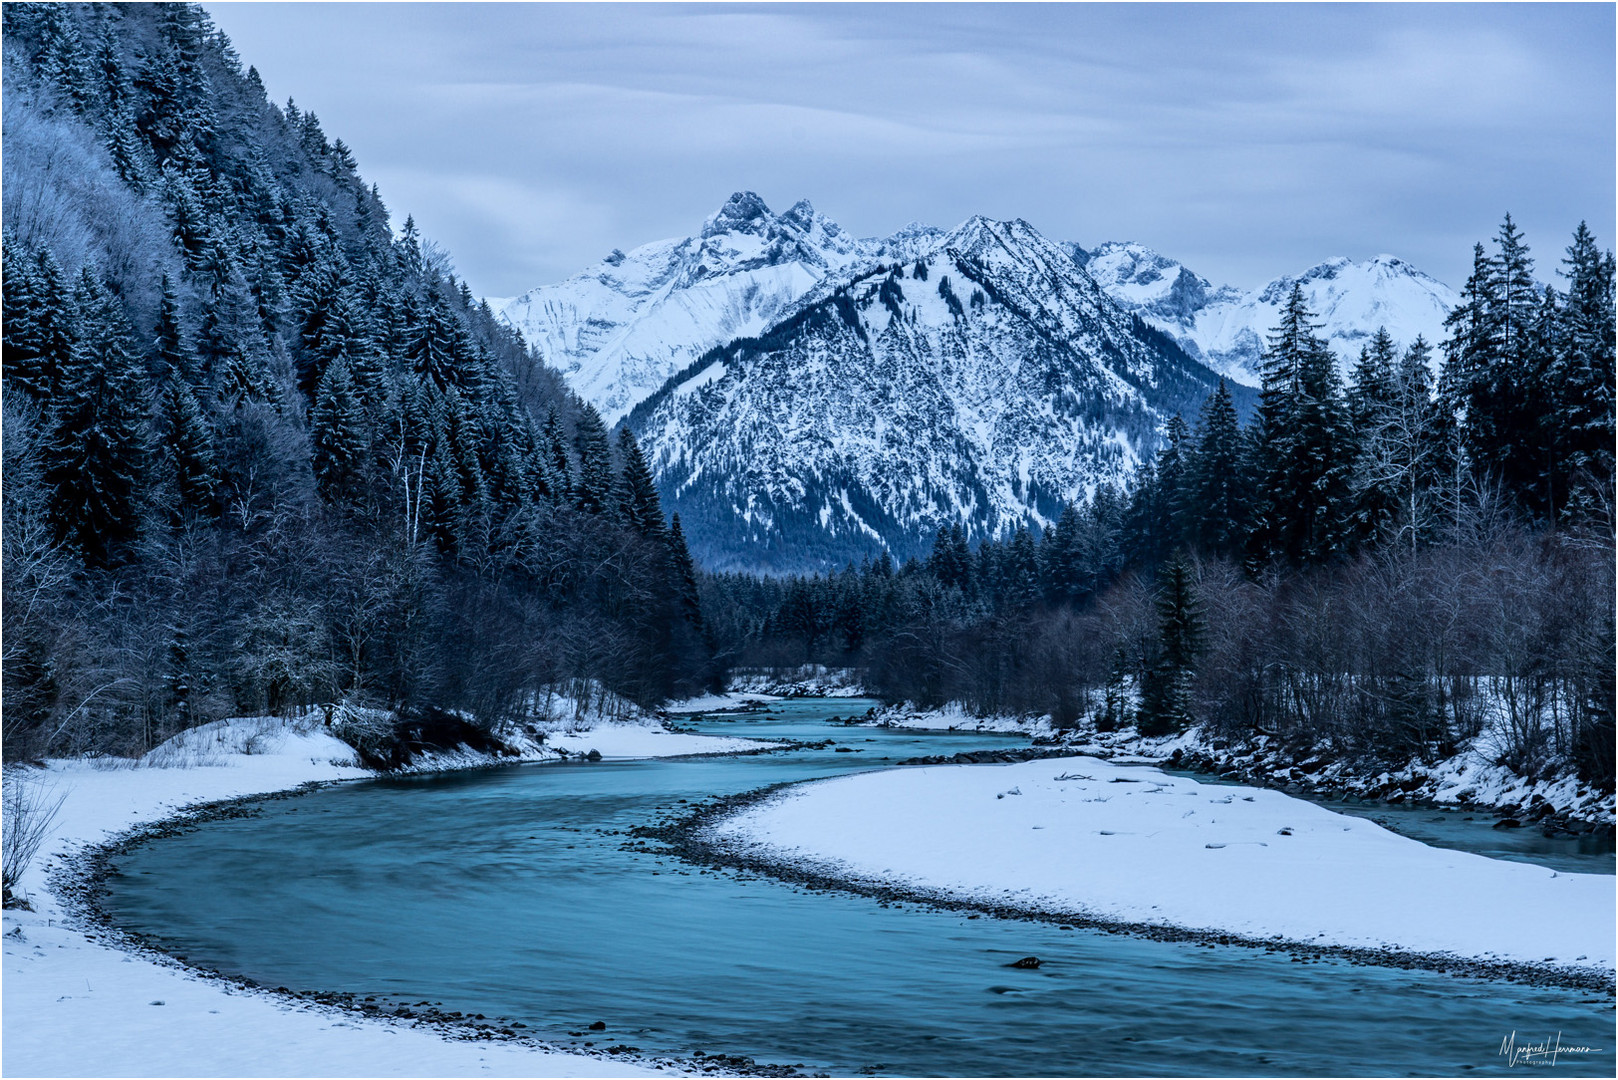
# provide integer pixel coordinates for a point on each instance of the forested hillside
(262, 452)
(1373, 572)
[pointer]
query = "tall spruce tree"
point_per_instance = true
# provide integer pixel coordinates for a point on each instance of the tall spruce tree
(685, 574)
(1303, 449)
(1581, 380)
(640, 506)
(1371, 403)
(186, 446)
(175, 359)
(1219, 501)
(593, 491)
(1166, 698)
(95, 450)
(337, 429)
(554, 448)
(38, 336)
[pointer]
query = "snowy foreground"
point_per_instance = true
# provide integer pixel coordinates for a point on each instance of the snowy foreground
(73, 1007)
(1133, 844)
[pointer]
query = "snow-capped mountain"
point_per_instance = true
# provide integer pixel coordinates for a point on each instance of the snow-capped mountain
(1155, 286)
(619, 330)
(806, 396)
(1226, 328)
(983, 383)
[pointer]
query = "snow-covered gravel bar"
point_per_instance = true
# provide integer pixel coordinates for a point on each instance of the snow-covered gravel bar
(73, 1006)
(1134, 845)
(622, 741)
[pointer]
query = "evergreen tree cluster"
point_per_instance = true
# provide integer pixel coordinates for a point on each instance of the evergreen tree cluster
(262, 453)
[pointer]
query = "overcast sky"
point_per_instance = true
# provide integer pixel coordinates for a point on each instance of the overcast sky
(1245, 141)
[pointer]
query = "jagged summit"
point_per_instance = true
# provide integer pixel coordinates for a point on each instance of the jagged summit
(743, 212)
(802, 214)
(618, 330)
(914, 240)
(978, 233)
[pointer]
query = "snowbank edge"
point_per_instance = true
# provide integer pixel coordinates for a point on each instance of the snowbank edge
(692, 837)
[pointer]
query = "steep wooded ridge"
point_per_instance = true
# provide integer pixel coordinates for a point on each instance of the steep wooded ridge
(984, 384)
(262, 453)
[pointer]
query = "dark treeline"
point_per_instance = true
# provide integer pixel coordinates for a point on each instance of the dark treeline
(1378, 570)
(261, 453)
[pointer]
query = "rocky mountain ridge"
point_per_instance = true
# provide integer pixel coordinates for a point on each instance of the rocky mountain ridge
(983, 384)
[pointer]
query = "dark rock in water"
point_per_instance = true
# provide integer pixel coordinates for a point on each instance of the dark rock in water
(599, 1025)
(594, 755)
(1508, 823)
(1026, 962)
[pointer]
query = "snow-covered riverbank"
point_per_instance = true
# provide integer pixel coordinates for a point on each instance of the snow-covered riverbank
(1134, 845)
(1468, 778)
(809, 680)
(73, 1006)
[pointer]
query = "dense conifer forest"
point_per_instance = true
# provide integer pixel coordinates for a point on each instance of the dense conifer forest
(262, 453)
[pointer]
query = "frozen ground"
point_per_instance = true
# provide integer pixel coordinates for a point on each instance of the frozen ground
(730, 701)
(1133, 844)
(75, 1007)
(810, 680)
(648, 740)
(953, 717)
(1470, 777)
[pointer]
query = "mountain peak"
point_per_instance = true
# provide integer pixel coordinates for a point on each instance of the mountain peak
(743, 212)
(801, 213)
(978, 234)
(914, 240)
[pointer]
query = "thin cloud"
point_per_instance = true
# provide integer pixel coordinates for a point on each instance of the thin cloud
(1246, 140)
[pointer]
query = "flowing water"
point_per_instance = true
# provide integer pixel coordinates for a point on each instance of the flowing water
(506, 892)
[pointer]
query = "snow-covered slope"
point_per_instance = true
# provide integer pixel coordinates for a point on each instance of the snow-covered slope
(1155, 286)
(982, 384)
(620, 329)
(1226, 328)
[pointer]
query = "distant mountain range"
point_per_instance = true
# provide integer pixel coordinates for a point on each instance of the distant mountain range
(1225, 327)
(806, 396)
